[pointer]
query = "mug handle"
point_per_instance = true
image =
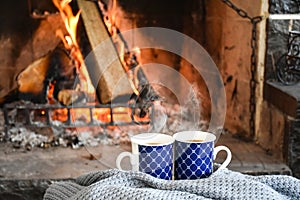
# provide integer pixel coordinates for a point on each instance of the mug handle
(228, 158)
(132, 157)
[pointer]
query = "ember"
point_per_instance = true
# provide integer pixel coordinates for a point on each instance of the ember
(169, 118)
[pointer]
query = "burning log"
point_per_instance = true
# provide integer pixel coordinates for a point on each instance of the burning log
(68, 97)
(144, 93)
(112, 74)
(55, 68)
(31, 80)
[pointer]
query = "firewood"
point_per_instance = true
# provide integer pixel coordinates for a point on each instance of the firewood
(31, 80)
(30, 83)
(111, 85)
(68, 97)
(55, 67)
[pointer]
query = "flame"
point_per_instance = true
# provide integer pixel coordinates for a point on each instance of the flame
(60, 114)
(50, 93)
(70, 42)
(100, 115)
(105, 115)
(109, 18)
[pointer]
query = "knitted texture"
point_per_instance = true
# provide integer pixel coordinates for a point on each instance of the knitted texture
(224, 184)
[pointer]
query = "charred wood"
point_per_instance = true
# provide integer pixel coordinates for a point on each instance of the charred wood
(112, 74)
(56, 67)
(145, 94)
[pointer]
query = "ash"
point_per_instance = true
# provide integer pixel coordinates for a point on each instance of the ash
(168, 119)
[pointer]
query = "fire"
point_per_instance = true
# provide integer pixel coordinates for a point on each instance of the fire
(101, 115)
(70, 42)
(50, 93)
(98, 115)
(110, 22)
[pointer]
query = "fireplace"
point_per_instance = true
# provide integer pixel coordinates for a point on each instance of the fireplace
(224, 31)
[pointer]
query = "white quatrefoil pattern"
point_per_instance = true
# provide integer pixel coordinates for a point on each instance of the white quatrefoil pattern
(156, 160)
(193, 160)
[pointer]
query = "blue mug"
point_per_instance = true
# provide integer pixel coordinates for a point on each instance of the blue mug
(152, 153)
(195, 153)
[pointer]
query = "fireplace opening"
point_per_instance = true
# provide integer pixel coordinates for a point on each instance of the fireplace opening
(56, 91)
(57, 111)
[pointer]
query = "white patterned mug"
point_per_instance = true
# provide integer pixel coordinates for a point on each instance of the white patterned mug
(194, 154)
(152, 153)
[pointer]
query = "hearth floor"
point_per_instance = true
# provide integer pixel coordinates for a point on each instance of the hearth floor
(34, 170)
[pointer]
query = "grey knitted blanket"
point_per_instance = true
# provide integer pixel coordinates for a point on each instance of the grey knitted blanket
(224, 184)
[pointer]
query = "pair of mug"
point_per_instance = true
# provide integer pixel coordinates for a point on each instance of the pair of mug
(193, 151)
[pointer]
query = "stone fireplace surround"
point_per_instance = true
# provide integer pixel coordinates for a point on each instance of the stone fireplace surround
(281, 102)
